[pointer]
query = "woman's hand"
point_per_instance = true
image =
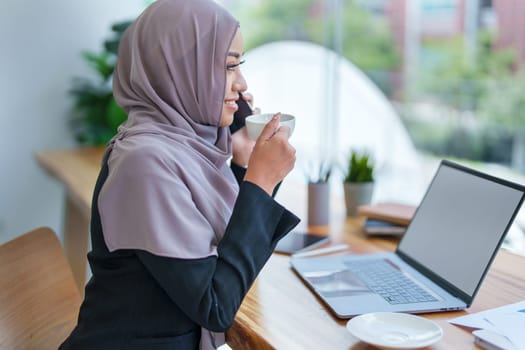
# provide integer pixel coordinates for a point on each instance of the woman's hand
(272, 157)
(242, 147)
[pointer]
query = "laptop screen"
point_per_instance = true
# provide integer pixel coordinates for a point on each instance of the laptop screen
(459, 224)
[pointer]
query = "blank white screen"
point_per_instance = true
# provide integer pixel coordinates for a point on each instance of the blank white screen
(458, 226)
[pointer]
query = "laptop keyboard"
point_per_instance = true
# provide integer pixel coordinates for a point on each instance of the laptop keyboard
(389, 282)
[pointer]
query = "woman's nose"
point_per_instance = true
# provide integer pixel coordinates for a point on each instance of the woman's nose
(240, 84)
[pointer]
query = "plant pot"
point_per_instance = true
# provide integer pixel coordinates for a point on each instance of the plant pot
(318, 203)
(357, 194)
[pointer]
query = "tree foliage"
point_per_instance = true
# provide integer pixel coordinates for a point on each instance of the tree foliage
(504, 102)
(460, 82)
(367, 41)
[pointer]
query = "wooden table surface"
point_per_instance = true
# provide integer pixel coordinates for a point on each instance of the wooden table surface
(77, 170)
(280, 312)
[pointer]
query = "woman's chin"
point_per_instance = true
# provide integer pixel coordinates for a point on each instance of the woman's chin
(226, 119)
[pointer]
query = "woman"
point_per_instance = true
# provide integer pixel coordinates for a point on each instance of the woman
(176, 239)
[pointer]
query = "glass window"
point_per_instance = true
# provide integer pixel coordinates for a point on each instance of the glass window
(411, 81)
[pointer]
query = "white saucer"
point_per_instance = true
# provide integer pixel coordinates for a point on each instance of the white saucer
(394, 331)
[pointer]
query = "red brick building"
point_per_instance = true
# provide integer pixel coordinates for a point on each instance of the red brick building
(510, 18)
(442, 19)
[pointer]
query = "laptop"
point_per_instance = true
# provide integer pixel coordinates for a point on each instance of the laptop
(441, 260)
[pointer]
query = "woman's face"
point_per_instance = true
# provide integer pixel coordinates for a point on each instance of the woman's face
(235, 82)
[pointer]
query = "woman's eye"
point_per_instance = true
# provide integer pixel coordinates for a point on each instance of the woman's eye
(232, 66)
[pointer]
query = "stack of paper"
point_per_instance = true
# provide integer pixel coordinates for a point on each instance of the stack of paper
(500, 328)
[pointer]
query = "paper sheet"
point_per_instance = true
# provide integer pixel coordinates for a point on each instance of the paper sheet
(508, 320)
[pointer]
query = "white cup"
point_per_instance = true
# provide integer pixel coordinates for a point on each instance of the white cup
(256, 123)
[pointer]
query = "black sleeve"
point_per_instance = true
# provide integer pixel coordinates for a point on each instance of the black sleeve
(210, 290)
(238, 172)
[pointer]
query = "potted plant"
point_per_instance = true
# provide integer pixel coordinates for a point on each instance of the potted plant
(358, 181)
(96, 116)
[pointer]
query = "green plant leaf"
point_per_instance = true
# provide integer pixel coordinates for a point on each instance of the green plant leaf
(120, 27)
(360, 168)
(96, 116)
(103, 63)
(115, 115)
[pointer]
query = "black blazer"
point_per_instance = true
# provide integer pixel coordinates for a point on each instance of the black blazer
(137, 300)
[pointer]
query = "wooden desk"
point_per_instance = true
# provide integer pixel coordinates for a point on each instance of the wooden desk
(77, 170)
(280, 312)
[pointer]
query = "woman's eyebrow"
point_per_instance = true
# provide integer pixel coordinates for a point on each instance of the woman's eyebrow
(234, 54)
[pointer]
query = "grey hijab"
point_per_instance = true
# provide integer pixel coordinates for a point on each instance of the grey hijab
(169, 189)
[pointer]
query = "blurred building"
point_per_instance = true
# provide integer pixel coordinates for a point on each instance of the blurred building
(417, 21)
(510, 24)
